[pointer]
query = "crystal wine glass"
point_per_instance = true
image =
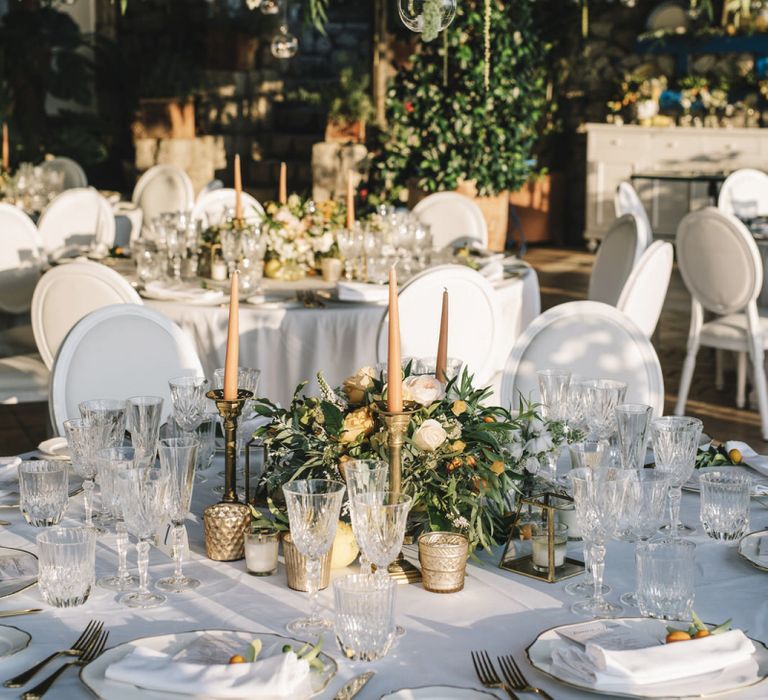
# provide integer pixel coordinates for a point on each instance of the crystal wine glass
(313, 512)
(675, 443)
(602, 397)
(599, 497)
(144, 414)
(84, 440)
(553, 393)
(576, 410)
(178, 458)
(381, 518)
(189, 400)
(362, 477)
(632, 423)
(350, 245)
(143, 497)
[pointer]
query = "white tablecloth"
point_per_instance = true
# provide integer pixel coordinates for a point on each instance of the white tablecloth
(498, 611)
(290, 344)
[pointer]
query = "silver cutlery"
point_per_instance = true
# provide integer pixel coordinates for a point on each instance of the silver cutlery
(93, 650)
(486, 672)
(82, 643)
(354, 686)
(514, 676)
(14, 613)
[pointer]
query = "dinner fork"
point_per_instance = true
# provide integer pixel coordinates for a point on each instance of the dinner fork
(89, 654)
(79, 646)
(514, 676)
(487, 673)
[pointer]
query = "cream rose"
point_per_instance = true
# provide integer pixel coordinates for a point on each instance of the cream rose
(423, 389)
(357, 423)
(429, 435)
(355, 386)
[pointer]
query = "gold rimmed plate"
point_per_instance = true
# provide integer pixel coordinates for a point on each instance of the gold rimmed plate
(18, 570)
(706, 685)
(13, 640)
(753, 547)
(438, 692)
(94, 674)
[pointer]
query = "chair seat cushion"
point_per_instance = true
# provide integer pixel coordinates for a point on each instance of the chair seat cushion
(23, 378)
(730, 332)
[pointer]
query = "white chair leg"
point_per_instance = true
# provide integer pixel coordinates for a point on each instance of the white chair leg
(758, 370)
(741, 379)
(719, 373)
(686, 376)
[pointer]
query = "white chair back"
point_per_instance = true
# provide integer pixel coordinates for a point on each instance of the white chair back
(719, 261)
(591, 340)
(163, 188)
(473, 318)
(646, 289)
(451, 215)
(212, 185)
(20, 259)
(618, 253)
(76, 218)
(744, 194)
(72, 173)
(211, 206)
(67, 293)
(627, 201)
(117, 352)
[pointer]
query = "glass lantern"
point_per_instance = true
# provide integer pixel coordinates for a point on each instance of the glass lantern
(284, 44)
(427, 17)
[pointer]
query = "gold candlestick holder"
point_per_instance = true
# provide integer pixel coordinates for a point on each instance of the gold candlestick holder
(225, 523)
(397, 422)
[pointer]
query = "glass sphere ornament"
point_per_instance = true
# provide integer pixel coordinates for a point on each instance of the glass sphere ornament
(427, 17)
(269, 7)
(284, 44)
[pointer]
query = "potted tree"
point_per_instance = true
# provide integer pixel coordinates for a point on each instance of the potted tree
(465, 114)
(349, 108)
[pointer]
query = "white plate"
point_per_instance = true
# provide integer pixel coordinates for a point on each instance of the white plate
(333, 296)
(54, 448)
(438, 692)
(539, 655)
(759, 482)
(18, 571)
(749, 550)
(13, 640)
(93, 676)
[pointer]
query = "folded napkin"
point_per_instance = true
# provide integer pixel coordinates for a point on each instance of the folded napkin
(748, 456)
(492, 271)
(182, 292)
(276, 677)
(361, 291)
(661, 663)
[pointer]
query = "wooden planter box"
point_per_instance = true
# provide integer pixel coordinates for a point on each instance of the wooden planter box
(345, 132)
(165, 118)
(539, 208)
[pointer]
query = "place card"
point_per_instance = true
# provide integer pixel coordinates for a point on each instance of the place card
(209, 649)
(610, 636)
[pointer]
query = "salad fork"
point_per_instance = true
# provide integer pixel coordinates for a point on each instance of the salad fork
(487, 673)
(514, 676)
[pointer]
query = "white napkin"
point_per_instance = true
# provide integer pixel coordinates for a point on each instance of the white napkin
(604, 668)
(182, 292)
(362, 291)
(280, 676)
(748, 456)
(9, 475)
(493, 271)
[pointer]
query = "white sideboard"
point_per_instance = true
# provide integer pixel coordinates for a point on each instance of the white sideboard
(614, 153)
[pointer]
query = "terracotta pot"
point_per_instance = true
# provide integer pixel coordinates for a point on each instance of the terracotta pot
(539, 206)
(165, 118)
(344, 131)
(296, 563)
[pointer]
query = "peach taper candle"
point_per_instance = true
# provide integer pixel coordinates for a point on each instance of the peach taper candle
(233, 342)
(282, 195)
(350, 202)
(394, 363)
(238, 190)
(442, 344)
(6, 149)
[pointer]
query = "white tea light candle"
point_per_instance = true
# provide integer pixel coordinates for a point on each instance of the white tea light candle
(261, 551)
(540, 547)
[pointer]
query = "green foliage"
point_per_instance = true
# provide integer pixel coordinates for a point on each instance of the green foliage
(352, 100)
(444, 127)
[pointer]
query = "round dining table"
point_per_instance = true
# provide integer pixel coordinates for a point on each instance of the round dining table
(498, 611)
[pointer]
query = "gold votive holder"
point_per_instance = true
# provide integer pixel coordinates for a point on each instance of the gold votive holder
(224, 526)
(443, 558)
(296, 566)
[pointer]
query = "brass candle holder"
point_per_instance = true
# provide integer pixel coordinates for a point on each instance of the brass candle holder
(397, 422)
(225, 523)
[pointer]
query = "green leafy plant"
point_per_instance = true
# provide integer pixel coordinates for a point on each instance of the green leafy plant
(352, 100)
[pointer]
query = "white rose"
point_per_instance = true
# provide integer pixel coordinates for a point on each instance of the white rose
(429, 435)
(423, 389)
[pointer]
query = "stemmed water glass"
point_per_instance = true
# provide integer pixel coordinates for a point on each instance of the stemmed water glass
(350, 246)
(553, 394)
(144, 414)
(313, 507)
(599, 498)
(576, 408)
(381, 519)
(178, 458)
(363, 476)
(675, 443)
(189, 400)
(84, 440)
(601, 399)
(143, 497)
(643, 512)
(632, 423)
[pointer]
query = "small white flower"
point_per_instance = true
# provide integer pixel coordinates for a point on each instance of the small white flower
(537, 445)
(429, 435)
(461, 523)
(516, 450)
(531, 465)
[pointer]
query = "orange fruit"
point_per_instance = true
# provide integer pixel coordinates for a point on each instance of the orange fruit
(237, 659)
(489, 419)
(701, 633)
(735, 456)
(497, 468)
(678, 636)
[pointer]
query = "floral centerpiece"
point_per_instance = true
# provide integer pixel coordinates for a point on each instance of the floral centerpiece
(298, 234)
(463, 461)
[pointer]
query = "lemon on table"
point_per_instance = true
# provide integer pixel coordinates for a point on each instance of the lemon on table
(735, 456)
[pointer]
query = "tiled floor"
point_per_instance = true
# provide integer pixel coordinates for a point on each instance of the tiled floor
(563, 275)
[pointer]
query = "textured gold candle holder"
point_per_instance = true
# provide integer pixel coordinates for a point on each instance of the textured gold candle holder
(225, 523)
(401, 570)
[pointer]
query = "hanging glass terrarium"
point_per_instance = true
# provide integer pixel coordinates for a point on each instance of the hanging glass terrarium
(427, 17)
(284, 44)
(270, 7)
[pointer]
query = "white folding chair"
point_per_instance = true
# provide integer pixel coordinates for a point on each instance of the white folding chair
(744, 194)
(618, 254)
(20, 259)
(721, 266)
(590, 339)
(473, 318)
(451, 215)
(72, 173)
(627, 201)
(77, 218)
(67, 293)
(211, 206)
(163, 188)
(643, 295)
(116, 352)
